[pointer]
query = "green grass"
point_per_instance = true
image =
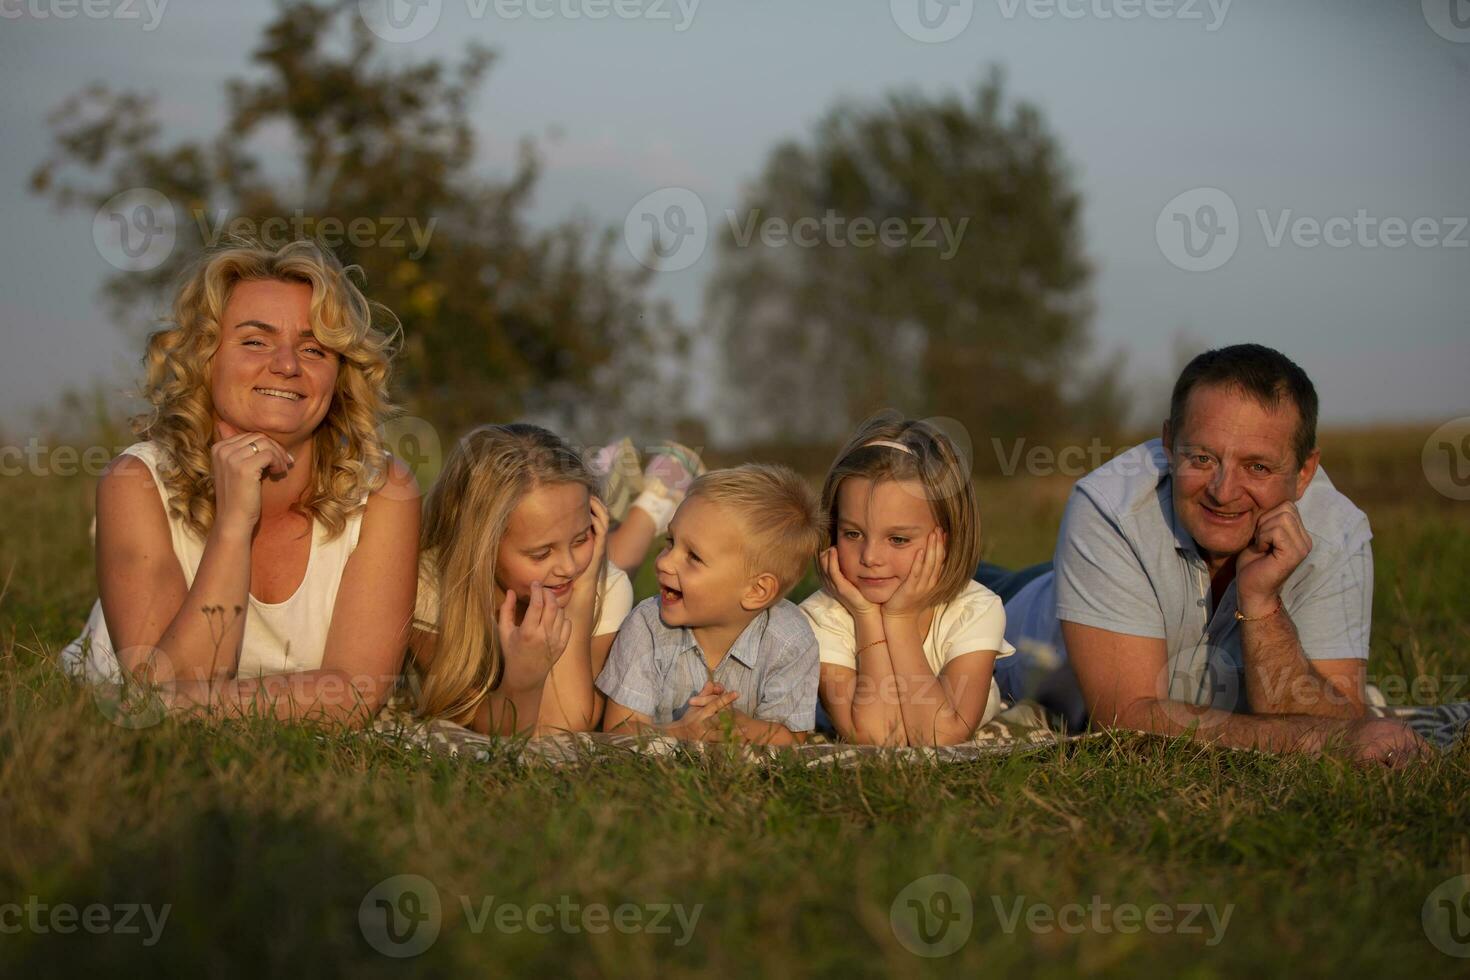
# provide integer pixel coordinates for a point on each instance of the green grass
(264, 840)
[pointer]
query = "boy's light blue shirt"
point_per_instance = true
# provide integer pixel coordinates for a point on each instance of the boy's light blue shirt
(1124, 564)
(654, 669)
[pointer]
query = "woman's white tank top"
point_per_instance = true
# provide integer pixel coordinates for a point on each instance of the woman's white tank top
(280, 637)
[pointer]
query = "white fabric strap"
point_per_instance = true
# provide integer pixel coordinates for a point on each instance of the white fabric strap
(658, 507)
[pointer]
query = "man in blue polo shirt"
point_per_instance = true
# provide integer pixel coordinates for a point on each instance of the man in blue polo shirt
(1214, 582)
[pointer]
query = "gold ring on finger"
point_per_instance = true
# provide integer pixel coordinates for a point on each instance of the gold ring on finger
(254, 447)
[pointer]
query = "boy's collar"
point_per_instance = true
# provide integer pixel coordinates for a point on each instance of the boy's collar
(745, 649)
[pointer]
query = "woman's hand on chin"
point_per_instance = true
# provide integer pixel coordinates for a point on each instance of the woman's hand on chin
(239, 461)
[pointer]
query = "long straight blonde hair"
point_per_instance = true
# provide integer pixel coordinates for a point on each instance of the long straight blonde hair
(488, 473)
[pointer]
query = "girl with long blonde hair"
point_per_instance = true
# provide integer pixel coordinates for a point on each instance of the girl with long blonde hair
(517, 602)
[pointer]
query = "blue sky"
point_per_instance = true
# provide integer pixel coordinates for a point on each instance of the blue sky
(1353, 111)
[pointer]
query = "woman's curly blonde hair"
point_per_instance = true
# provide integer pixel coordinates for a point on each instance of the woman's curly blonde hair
(350, 457)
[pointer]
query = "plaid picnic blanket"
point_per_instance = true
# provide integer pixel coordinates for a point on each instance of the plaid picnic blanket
(1441, 725)
(1021, 728)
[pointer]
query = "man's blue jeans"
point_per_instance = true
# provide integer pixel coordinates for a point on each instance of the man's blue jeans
(1057, 691)
(1006, 583)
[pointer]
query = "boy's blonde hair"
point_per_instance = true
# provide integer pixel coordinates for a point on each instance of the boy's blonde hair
(466, 513)
(929, 458)
(782, 516)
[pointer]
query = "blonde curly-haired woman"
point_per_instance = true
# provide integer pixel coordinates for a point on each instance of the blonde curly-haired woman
(257, 550)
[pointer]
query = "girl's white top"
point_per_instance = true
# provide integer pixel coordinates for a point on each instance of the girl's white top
(973, 621)
(280, 637)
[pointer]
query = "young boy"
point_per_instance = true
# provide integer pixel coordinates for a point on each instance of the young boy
(720, 644)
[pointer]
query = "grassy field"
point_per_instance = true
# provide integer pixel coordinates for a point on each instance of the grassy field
(1111, 857)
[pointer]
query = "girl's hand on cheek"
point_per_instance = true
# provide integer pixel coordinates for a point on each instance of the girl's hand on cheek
(600, 521)
(837, 584)
(915, 592)
(584, 589)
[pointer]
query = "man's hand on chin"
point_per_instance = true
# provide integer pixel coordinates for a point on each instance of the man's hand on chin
(1280, 544)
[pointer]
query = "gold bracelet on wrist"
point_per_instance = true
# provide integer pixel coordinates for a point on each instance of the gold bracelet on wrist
(869, 646)
(1243, 618)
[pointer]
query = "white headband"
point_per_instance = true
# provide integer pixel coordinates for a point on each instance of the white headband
(890, 444)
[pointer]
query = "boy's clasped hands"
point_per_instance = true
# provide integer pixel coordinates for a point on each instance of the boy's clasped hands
(701, 718)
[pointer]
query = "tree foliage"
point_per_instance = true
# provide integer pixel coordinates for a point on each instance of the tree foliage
(499, 320)
(994, 334)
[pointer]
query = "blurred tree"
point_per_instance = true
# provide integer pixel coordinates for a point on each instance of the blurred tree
(972, 304)
(499, 320)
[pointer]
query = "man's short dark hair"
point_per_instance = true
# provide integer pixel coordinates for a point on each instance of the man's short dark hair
(1266, 375)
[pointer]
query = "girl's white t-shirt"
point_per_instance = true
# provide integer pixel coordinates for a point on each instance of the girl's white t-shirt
(615, 593)
(280, 637)
(973, 620)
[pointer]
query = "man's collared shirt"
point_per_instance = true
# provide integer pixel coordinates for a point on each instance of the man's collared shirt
(1124, 564)
(654, 669)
